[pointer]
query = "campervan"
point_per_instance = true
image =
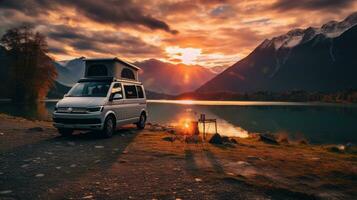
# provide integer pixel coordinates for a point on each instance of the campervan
(109, 95)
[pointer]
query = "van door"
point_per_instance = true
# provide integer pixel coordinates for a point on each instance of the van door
(117, 103)
(131, 101)
(141, 99)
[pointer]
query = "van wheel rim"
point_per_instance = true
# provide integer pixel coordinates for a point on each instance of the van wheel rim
(142, 120)
(109, 126)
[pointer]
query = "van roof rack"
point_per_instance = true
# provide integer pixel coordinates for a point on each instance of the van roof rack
(106, 79)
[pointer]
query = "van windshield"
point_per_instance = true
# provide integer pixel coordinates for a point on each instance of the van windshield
(89, 89)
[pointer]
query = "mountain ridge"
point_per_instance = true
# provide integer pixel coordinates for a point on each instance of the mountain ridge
(177, 78)
(321, 63)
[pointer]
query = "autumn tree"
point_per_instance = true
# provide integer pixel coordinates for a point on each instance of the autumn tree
(32, 72)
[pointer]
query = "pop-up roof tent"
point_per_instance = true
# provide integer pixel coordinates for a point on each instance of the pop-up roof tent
(110, 67)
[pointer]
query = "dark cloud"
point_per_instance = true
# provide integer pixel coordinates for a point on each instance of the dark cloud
(312, 4)
(116, 12)
(102, 41)
(57, 50)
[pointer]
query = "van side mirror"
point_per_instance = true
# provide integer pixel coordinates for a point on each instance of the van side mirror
(115, 96)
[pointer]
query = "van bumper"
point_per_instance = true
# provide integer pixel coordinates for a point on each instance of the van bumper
(78, 121)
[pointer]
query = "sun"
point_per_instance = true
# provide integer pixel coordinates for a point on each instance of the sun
(188, 56)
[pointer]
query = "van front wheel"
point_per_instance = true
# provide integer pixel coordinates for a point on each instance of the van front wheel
(109, 127)
(141, 123)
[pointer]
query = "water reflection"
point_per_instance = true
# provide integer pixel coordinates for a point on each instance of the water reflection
(317, 123)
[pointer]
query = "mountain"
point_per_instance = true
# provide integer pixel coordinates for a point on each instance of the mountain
(313, 59)
(157, 76)
(57, 91)
(70, 71)
(218, 69)
(170, 78)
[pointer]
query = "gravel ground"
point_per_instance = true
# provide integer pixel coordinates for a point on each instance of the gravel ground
(35, 163)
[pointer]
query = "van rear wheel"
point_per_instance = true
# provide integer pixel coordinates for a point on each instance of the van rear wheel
(109, 127)
(65, 131)
(141, 123)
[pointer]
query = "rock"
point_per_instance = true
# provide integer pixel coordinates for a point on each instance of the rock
(225, 139)
(234, 141)
(1, 133)
(198, 180)
(71, 143)
(302, 142)
(58, 167)
(25, 165)
(5, 192)
(171, 131)
(88, 197)
(1, 173)
(169, 139)
(254, 158)
(268, 138)
(73, 165)
(334, 149)
(99, 147)
(243, 163)
(40, 175)
(35, 129)
(216, 139)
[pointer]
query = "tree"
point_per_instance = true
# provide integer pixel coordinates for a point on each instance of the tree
(32, 72)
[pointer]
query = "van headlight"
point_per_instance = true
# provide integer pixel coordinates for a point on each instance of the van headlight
(95, 109)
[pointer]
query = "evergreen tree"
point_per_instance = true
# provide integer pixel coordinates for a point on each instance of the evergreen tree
(32, 72)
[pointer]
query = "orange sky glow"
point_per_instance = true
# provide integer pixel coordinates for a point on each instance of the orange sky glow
(193, 32)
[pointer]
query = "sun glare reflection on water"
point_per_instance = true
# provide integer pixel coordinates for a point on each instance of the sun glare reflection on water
(184, 119)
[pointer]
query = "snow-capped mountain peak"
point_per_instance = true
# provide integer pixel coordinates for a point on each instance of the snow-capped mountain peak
(294, 37)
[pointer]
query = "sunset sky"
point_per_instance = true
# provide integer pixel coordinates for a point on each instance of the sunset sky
(204, 32)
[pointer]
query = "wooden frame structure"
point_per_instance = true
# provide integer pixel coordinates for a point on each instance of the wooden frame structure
(205, 121)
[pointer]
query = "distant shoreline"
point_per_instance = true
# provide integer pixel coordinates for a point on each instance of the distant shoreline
(228, 102)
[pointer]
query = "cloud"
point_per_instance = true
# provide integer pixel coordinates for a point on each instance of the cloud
(102, 42)
(284, 5)
(104, 11)
(225, 30)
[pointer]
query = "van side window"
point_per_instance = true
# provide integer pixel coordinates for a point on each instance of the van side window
(130, 91)
(140, 91)
(117, 88)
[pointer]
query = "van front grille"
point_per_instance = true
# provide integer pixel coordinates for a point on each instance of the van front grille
(77, 121)
(71, 110)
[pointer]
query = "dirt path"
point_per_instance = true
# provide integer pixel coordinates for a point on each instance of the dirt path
(38, 164)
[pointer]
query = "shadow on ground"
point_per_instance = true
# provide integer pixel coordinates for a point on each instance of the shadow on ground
(33, 170)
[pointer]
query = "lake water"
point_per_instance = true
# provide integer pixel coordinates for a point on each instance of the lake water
(316, 122)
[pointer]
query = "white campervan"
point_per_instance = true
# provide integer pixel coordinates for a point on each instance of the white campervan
(108, 96)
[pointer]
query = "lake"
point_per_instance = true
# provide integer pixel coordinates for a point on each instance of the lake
(319, 123)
